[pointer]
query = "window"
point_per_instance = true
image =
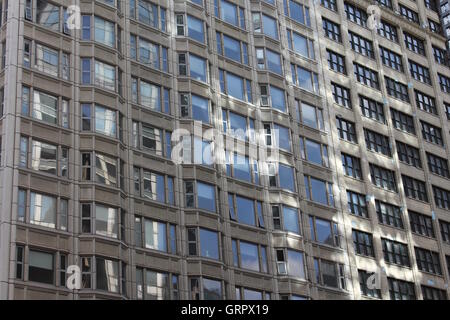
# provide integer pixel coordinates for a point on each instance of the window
(372, 109)
(355, 14)
(269, 60)
(105, 32)
(440, 55)
(152, 139)
(305, 78)
(363, 280)
(49, 158)
(346, 129)
(361, 45)
(314, 152)
(409, 14)
(341, 95)
(277, 136)
(47, 60)
(444, 82)
(425, 102)
(389, 214)
(246, 211)
(155, 235)
(99, 119)
(414, 188)
(351, 166)
(158, 285)
(430, 293)
(441, 198)
(414, 44)
(232, 48)
(283, 178)
(387, 31)
(402, 121)
(431, 133)
(330, 274)
(319, 191)
(249, 256)
(363, 243)
(297, 12)
(235, 86)
(249, 294)
(104, 74)
(383, 178)
(401, 290)
(151, 96)
(377, 142)
(366, 76)
(195, 27)
(19, 256)
(421, 224)
(438, 165)
(149, 14)
(357, 204)
(332, 30)
(238, 126)
(397, 89)
(48, 15)
(324, 231)
(434, 26)
(203, 242)
(101, 274)
(300, 44)
(194, 107)
(428, 261)
(431, 4)
(329, 4)
(291, 263)
(148, 53)
(408, 154)
(395, 252)
(153, 186)
(242, 167)
(310, 115)
(41, 267)
(286, 218)
(336, 62)
(200, 195)
(230, 13)
(445, 233)
(391, 59)
(447, 110)
(273, 96)
(192, 66)
(205, 289)
(265, 24)
(419, 72)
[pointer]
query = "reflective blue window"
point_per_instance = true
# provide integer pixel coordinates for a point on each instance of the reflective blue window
(235, 86)
(241, 167)
(290, 217)
(195, 29)
(296, 266)
(197, 68)
(232, 48)
(200, 108)
(283, 137)
(273, 61)
(319, 191)
(278, 98)
(209, 244)
(245, 211)
(228, 12)
(286, 175)
(249, 256)
(270, 26)
(206, 196)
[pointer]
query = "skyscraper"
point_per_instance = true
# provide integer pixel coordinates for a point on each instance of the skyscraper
(100, 97)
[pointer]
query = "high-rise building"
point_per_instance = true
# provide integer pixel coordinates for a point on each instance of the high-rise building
(97, 97)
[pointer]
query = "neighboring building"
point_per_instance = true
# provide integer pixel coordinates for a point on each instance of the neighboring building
(86, 125)
(444, 10)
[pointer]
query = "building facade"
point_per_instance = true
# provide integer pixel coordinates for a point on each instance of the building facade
(355, 107)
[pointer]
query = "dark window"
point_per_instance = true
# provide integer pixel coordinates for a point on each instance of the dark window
(385, 3)
(395, 252)
(357, 203)
(421, 224)
(431, 133)
(383, 178)
(444, 82)
(445, 233)
(351, 166)
(329, 4)
(425, 102)
(414, 188)
(341, 95)
(409, 14)
(356, 14)
(439, 55)
(391, 59)
(366, 76)
(438, 165)
(401, 290)
(388, 31)
(430, 293)
(346, 129)
(419, 72)
(397, 89)
(365, 291)
(332, 30)
(377, 142)
(431, 4)
(41, 267)
(428, 261)
(408, 154)
(402, 121)
(434, 26)
(441, 197)
(362, 243)
(414, 44)
(389, 214)
(361, 45)
(336, 62)
(447, 110)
